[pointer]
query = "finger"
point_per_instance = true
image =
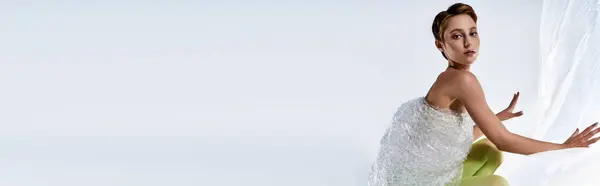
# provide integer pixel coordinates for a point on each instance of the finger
(575, 133)
(570, 139)
(587, 130)
(590, 128)
(514, 100)
(520, 113)
(593, 140)
(591, 133)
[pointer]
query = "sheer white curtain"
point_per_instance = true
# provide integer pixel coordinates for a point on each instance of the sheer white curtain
(568, 96)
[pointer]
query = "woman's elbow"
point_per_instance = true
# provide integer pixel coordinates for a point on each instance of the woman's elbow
(502, 141)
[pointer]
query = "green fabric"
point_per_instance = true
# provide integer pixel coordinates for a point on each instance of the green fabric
(480, 165)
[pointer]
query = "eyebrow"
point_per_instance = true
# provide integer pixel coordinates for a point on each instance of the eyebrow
(458, 29)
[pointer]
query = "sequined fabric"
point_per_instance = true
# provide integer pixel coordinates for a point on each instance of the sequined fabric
(424, 145)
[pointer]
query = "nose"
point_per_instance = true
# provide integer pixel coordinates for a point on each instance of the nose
(467, 42)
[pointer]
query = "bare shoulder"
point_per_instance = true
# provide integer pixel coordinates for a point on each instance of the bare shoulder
(459, 77)
(461, 82)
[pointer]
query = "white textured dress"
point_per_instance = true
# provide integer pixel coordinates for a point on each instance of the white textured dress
(424, 145)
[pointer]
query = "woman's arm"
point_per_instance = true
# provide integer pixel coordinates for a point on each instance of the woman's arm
(477, 131)
(469, 92)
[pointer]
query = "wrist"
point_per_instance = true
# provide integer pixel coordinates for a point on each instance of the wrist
(561, 146)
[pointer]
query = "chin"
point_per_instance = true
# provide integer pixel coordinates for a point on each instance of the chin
(470, 60)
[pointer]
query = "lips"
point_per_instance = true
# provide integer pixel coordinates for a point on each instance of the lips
(469, 52)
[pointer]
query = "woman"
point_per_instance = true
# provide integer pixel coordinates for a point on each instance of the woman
(432, 136)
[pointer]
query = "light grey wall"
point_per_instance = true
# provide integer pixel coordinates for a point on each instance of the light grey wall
(230, 92)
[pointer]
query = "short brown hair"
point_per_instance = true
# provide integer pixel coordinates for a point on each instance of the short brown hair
(440, 23)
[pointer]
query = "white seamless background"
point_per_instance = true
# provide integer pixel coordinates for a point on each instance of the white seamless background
(268, 92)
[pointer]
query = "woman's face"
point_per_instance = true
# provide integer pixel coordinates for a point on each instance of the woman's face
(461, 40)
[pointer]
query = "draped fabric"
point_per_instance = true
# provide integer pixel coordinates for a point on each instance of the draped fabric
(568, 96)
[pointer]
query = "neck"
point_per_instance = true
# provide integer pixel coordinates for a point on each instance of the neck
(458, 66)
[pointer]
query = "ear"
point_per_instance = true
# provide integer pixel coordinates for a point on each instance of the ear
(438, 45)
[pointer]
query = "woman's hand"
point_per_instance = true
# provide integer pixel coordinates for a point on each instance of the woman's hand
(583, 139)
(508, 112)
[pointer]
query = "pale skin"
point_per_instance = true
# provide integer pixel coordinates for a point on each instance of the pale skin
(503, 115)
(458, 89)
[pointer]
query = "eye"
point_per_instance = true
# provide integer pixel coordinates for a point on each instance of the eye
(474, 33)
(456, 36)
